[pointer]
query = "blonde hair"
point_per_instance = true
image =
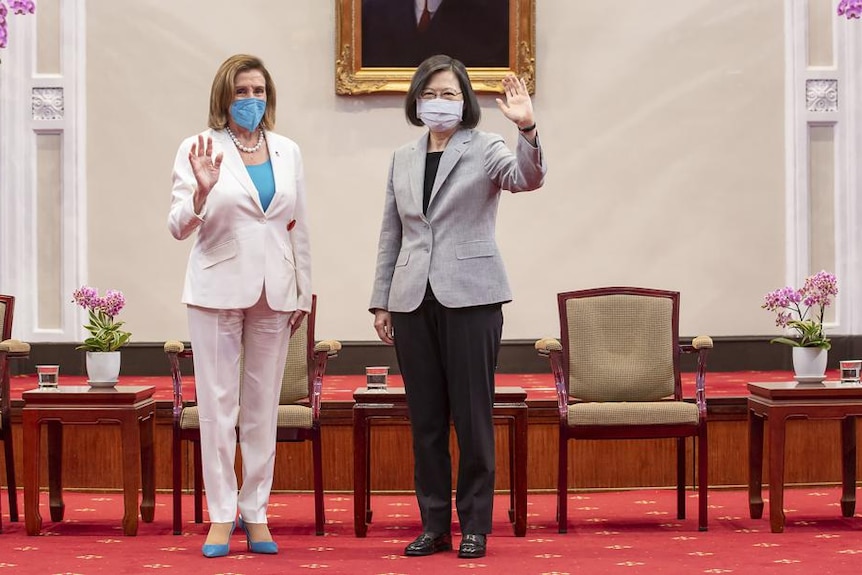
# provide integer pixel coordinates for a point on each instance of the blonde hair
(224, 87)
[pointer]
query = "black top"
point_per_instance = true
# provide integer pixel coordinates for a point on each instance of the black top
(432, 162)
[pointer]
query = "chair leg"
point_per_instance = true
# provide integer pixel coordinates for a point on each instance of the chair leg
(702, 480)
(177, 482)
(680, 478)
(199, 483)
(562, 483)
(317, 457)
(10, 475)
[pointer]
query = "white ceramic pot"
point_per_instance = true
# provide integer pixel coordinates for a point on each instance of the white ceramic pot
(809, 362)
(103, 368)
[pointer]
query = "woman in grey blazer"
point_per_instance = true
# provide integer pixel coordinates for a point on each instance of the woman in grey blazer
(440, 284)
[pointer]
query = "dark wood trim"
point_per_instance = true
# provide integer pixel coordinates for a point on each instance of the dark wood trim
(516, 356)
(814, 453)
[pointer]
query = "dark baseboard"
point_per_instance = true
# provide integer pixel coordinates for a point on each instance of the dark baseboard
(516, 356)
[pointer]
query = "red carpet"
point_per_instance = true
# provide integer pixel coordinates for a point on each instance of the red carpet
(539, 386)
(633, 532)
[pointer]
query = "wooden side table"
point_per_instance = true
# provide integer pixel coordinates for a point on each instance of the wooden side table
(779, 402)
(131, 407)
(373, 405)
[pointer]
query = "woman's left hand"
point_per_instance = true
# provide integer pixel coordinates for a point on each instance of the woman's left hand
(295, 321)
(518, 107)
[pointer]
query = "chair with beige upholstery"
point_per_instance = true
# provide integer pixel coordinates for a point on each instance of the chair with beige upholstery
(617, 372)
(298, 413)
(9, 349)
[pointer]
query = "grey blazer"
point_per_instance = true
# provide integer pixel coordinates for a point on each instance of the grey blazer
(454, 245)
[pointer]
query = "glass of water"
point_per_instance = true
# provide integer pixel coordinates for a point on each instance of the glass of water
(48, 375)
(375, 377)
(850, 369)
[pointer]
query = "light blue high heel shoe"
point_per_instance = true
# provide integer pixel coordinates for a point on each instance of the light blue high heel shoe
(268, 547)
(218, 549)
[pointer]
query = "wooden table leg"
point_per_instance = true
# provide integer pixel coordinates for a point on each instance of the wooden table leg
(148, 471)
(131, 472)
(55, 471)
(32, 432)
(848, 467)
(510, 427)
(520, 487)
(368, 511)
(777, 424)
(360, 470)
(755, 464)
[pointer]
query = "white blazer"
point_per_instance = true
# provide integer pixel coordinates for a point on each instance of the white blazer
(239, 248)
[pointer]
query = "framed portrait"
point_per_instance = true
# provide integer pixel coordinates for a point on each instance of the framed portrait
(379, 43)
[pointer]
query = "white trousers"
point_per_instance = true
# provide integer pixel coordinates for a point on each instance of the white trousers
(216, 336)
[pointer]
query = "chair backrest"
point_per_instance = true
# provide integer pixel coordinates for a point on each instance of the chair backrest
(298, 376)
(7, 307)
(298, 368)
(621, 343)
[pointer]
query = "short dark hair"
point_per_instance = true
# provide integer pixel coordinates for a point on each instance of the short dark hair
(224, 84)
(439, 63)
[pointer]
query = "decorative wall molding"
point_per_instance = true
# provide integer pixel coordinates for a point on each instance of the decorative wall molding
(32, 105)
(816, 97)
(850, 177)
(48, 103)
(516, 356)
(821, 95)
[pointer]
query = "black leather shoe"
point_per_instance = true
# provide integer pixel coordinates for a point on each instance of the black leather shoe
(473, 546)
(428, 544)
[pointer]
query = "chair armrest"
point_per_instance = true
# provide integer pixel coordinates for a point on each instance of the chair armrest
(330, 346)
(15, 348)
(175, 350)
(551, 348)
(701, 346)
(9, 349)
(323, 350)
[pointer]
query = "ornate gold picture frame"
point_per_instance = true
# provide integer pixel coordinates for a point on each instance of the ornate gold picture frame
(352, 78)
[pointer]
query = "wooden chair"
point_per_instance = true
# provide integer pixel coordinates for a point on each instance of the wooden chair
(617, 374)
(298, 413)
(9, 349)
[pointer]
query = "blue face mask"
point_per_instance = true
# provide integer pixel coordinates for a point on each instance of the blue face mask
(248, 112)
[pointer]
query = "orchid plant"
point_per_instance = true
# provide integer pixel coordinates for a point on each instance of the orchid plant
(802, 310)
(850, 8)
(105, 332)
(17, 7)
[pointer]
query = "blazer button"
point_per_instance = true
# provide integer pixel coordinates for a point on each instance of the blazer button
(262, 220)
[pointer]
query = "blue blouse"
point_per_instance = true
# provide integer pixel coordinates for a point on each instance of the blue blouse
(264, 181)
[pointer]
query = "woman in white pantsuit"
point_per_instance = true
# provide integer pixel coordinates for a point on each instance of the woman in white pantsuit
(247, 286)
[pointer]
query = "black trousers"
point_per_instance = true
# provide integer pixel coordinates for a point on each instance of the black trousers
(447, 358)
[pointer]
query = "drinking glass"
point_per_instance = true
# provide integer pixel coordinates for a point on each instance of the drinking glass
(48, 375)
(850, 369)
(376, 377)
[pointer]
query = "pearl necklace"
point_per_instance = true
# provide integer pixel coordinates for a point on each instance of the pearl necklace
(242, 148)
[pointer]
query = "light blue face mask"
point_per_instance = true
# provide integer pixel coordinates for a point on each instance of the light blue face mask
(248, 112)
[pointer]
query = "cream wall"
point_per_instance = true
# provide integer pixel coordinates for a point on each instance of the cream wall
(662, 123)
